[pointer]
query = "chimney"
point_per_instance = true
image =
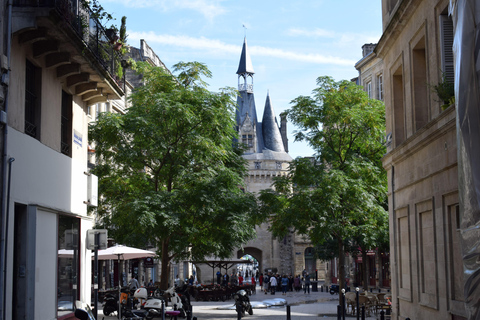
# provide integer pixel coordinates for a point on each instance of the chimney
(368, 48)
(283, 130)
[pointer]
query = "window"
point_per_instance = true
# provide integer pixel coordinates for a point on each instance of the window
(446, 38)
(369, 89)
(420, 89)
(398, 107)
(380, 86)
(247, 140)
(68, 276)
(66, 127)
(32, 100)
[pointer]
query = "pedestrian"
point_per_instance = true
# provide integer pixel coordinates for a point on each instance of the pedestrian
(284, 284)
(191, 280)
(290, 282)
(150, 283)
(219, 277)
(225, 279)
(273, 284)
(260, 280)
(133, 285)
(307, 284)
(296, 283)
(266, 283)
(240, 280)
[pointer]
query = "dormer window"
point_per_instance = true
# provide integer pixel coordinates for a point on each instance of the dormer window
(247, 140)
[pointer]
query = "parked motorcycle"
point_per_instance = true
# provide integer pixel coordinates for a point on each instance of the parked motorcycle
(178, 298)
(127, 301)
(242, 303)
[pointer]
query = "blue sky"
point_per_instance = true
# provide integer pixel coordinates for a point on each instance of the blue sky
(291, 43)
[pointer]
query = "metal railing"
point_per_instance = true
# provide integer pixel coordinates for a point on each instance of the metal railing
(85, 24)
(245, 87)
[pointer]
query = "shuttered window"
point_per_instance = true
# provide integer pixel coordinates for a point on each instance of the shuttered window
(446, 38)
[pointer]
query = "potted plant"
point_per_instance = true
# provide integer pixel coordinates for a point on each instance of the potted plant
(445, 92)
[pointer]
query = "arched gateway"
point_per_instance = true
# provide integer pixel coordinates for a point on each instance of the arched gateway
(267, 156)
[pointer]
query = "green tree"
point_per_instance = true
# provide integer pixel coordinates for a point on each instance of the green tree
(341, 192)
(169, 174)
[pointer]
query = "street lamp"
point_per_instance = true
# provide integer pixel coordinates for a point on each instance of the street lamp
(343, 303)
(358, 306)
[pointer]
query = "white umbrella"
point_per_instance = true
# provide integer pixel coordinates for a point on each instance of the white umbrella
(121, 252)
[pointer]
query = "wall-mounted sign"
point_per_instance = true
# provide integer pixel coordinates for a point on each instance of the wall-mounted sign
(77, 138)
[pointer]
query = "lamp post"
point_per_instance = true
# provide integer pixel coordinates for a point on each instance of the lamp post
(358, 309)
(343, 304)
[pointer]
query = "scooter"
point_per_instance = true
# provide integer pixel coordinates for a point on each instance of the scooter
(242, 303)
(177, 297)
(153, 307)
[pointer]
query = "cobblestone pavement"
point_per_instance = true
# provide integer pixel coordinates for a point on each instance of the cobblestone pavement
(316, 305)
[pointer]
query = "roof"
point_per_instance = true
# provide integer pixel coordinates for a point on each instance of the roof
(245, 65)
(272, 137)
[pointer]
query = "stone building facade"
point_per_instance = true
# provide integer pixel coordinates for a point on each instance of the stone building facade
(421, 161)
(267, 156)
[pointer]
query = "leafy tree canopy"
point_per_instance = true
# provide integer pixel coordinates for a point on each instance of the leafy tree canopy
(169, 174)
(340, 193)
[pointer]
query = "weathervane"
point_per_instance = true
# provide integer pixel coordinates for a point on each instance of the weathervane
(245, 30)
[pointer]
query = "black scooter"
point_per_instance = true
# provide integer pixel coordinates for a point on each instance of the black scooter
(242, 303)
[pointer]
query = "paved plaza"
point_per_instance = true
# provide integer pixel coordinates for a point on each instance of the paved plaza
(316, 305)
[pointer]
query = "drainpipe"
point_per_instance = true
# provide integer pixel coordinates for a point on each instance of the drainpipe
(394, 220)
(5, 200)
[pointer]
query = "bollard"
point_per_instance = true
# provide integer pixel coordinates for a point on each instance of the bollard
(357, 289)
(288, 313)
(371, 290)
(382, 315)
(379, 290)
(363, 312)
(321, 288)
(339, 312)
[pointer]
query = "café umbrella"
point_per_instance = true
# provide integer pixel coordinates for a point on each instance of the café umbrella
(121, 252)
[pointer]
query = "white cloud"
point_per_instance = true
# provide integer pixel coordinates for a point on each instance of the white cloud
(208, 8)
(346, 40)
(311, 33)
(219, 46)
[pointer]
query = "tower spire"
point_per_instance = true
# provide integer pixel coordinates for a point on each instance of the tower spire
(245, 70)
(271, 133)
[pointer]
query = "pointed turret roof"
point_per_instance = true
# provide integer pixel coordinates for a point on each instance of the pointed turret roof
(272, 137)
(245, 65)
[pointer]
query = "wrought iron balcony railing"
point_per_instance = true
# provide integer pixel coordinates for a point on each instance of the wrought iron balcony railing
(86, 26)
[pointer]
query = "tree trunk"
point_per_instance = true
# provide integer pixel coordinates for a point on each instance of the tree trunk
(366, 280)
(165, 266)
(341, 269)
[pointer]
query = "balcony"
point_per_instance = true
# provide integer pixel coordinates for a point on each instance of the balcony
(66, 34)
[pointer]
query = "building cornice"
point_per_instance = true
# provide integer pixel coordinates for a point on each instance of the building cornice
(397, 23)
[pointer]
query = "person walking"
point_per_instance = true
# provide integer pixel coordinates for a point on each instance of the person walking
(296, 283)
(273, 284)
(284, 284)
(266, 283)
(306, 288)
(260, 280)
